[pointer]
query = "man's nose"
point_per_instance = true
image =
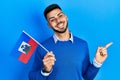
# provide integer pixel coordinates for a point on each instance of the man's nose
(57, 20)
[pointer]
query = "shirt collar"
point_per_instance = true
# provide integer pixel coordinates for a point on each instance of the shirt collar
(58, 39)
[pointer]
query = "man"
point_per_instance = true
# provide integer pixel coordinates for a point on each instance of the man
(68, 58)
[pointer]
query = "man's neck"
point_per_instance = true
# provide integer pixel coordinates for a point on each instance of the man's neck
(63, 36)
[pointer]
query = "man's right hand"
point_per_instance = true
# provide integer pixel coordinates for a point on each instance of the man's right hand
(49, 61)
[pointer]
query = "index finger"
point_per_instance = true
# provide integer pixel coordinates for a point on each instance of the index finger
(49, 54)
(108, 45)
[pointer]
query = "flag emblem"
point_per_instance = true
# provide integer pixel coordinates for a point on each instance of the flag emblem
(24, 47)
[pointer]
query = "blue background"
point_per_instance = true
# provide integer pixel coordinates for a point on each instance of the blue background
(96, 21)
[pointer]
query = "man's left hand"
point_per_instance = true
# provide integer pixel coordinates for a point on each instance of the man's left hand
(101, 53)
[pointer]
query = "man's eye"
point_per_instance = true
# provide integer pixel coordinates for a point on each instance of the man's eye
(52, 20)
(60, 15)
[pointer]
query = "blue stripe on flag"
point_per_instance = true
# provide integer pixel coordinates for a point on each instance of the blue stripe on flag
(22, 38)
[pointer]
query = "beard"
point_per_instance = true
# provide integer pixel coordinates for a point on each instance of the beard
(61, 31)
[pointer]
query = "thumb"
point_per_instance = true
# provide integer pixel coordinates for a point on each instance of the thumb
(99, 50)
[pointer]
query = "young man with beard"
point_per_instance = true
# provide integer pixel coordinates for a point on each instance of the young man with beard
(68, 58)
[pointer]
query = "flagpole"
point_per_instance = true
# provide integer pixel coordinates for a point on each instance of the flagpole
(36, 41)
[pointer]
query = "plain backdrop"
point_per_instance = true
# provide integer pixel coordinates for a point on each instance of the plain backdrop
(96, 21)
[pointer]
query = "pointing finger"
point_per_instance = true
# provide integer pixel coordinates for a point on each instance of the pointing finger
(108, 45)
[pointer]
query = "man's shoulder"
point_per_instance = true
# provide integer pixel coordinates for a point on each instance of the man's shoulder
(49, 39)
(77, 39)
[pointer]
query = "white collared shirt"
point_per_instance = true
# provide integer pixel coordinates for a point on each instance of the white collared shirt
(58, 39)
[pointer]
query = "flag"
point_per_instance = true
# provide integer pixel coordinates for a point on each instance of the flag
(24, 48)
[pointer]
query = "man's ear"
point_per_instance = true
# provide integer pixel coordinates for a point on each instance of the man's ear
(66, 17)
(49, 24)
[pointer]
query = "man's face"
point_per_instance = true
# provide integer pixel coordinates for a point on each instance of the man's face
(57, 20)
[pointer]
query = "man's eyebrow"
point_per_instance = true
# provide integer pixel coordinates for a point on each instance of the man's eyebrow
(51, 18)
(57, 15)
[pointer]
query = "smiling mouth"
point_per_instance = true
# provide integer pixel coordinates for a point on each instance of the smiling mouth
(60, 25)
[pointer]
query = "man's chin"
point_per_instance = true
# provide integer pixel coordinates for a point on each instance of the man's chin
(62, 31)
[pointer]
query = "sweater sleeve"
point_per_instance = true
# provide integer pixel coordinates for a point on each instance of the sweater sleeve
(89, 71)
(35, 73)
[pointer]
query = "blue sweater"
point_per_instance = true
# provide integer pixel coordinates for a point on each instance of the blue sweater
(72, 61)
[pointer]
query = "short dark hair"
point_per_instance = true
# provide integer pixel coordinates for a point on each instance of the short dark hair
(50, 8)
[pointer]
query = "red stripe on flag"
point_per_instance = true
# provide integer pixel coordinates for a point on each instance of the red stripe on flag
(25, 57)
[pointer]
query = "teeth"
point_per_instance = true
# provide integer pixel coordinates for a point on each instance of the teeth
(60, 24)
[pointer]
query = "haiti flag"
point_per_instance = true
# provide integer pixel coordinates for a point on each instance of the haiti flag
(24, 48)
